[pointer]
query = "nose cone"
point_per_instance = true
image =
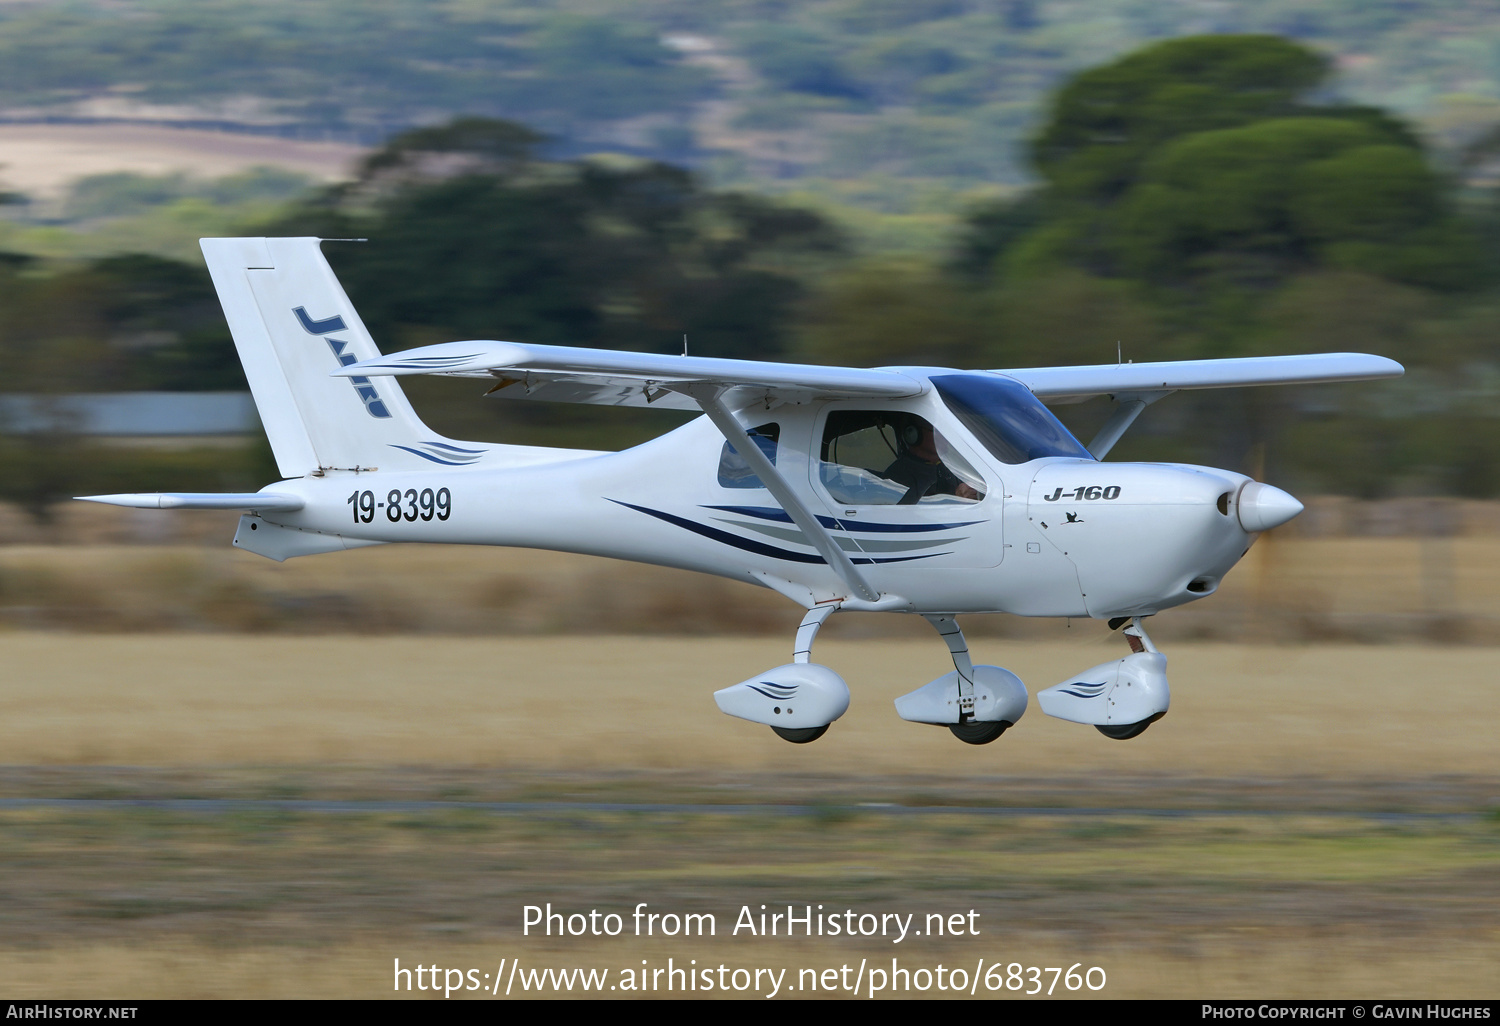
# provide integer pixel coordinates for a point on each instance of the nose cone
(1262, 507)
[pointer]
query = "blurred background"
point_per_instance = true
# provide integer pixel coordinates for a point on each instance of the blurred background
(973, 183)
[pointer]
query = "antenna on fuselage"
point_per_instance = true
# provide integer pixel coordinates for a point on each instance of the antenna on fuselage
(684, 343)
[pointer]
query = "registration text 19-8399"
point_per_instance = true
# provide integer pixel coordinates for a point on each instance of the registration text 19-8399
(410, 505)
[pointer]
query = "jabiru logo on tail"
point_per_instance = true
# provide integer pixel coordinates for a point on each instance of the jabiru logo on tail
(366, 391)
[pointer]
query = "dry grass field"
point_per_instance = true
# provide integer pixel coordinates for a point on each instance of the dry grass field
(227, 777)
(610, 704)
(1308, 820)
(110, 578)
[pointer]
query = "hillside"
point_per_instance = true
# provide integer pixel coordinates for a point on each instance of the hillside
(808, 95)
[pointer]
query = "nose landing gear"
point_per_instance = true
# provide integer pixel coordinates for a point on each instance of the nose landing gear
(1119, 698)
(1125, 732)
(1135, 637)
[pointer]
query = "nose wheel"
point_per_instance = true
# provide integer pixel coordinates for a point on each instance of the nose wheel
(1126, 731)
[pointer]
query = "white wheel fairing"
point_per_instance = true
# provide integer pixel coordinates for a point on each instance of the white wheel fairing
(999, 696)
(1112, 694)
(797, 695)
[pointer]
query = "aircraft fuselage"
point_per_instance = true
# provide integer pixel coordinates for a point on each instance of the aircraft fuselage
(1049, 537)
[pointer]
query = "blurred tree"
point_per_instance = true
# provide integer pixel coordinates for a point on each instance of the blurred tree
(1203, 166)
(126, 322)
(1199, 198)
(894, 314)
(1107, 122)
(1069, 317)
(1253, 206)
(479, 237)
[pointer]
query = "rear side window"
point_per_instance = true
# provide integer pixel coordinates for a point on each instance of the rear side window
(734, 472)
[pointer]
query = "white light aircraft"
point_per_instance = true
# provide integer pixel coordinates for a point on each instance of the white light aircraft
(922, 490)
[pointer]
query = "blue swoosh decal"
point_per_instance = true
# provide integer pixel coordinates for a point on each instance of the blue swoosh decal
(785, 694)
(434, 459)
(1097, 690)
(759, 548)
(454, 448)
(430, 362)
(781, 516)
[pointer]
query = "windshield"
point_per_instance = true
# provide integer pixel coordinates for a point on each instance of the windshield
(1006, 418)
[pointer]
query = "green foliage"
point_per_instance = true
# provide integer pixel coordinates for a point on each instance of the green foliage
(1256, 204)
(795, 60)
(121, 323)
(478, 238)
(992, 229)
(594, 68)
(124, 193)
(331, 64)
(120, 193)
(894, 314)
(1203, 196)
(1198, 203)
(1071, 318)
(892, 15)
(815, 80)
(39, 471)
(1105, 123)
(1199, 173)
(161, 214)
(498, 147)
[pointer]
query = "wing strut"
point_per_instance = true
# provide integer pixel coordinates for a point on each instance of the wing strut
(712, 403)
(1128, 406)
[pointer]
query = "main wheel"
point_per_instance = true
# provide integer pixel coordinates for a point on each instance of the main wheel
(800, 735)
(1126, 731)
(979, 732)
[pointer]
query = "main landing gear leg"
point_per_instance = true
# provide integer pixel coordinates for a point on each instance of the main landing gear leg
(807, 632)
(967, 729)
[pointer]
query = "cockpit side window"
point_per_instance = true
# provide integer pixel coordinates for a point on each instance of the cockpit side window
(892, 458)
(1006, 418)
(734, 471)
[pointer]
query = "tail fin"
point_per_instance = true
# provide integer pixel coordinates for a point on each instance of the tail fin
(293, 325)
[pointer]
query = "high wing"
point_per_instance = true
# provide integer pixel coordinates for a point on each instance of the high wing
(1075, 384)
(607, 377)
(612, 378)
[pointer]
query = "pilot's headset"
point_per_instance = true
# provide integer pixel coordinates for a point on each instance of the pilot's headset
(909, 433)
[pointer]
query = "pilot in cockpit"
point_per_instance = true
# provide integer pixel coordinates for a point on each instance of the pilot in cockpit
(921, 469)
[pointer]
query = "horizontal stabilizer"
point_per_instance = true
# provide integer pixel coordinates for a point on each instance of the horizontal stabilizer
(264, 501)
(1060, 384)
(612, 378)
